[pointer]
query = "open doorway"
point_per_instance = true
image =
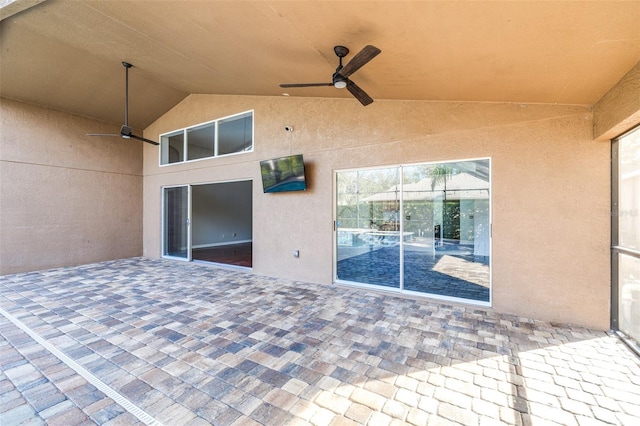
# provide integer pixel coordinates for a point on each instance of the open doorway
(222, 228)
(218, 226)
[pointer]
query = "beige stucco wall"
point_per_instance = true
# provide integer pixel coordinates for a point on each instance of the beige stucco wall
(65, 198)
(550, 186)
(619, 109)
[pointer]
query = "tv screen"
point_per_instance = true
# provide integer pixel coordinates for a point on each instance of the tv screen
(283, 174)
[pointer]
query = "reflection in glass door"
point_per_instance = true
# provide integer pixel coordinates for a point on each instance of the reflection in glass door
(367, 226)
(626, 236)
(420, 228)
(175, 225)
(446, 229)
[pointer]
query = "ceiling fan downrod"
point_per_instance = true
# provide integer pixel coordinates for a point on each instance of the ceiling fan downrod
(340, 82)
(126, 66)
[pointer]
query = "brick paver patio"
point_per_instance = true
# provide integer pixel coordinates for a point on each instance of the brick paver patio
(164, 342)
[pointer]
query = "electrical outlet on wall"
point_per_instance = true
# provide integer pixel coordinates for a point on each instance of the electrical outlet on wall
(296, 253)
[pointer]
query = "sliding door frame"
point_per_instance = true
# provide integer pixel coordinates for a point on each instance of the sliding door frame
(189, 220)
(401, 288)
(618, 250)
(164, 223)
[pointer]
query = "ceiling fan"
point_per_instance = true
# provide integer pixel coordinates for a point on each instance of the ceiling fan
(125, 130)
(340, 78)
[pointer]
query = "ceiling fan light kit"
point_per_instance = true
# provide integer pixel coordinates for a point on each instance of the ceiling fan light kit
(340, 84)
(340, 78)
(125, 131)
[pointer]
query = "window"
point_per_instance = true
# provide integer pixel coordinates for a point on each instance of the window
(229, 135)
(201, 142)
(235, 134)
(173, 148)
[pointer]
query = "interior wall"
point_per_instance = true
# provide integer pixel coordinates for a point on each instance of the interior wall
(550, 187)
(66, 198)
(221, 213)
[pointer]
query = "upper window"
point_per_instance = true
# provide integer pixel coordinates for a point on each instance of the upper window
(225, 136)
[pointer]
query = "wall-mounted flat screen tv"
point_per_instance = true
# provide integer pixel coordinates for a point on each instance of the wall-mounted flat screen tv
(283, 174)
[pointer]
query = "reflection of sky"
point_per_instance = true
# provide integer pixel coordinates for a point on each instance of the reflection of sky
(462, 186)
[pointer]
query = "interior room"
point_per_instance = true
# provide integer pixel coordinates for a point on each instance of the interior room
(222, 227)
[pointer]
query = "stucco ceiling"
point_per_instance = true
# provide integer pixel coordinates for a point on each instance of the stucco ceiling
(67, 54)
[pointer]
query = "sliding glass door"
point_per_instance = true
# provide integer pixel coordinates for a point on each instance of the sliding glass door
(625, 312)
(446, 229)
(368, 245)
(419, 228)
(176, 222)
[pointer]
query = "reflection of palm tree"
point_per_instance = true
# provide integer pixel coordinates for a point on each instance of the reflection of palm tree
(441, 174)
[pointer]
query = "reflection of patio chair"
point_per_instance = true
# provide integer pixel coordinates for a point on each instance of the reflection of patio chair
(437, 242)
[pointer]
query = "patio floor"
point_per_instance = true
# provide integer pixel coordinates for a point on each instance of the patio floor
(139, 341)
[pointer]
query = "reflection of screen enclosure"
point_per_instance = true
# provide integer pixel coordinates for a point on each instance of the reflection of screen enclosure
(283, 174)
(422, 228)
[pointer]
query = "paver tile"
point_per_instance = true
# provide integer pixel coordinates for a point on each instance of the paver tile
(193, 344)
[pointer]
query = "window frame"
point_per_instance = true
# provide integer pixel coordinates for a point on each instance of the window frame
(211, 123)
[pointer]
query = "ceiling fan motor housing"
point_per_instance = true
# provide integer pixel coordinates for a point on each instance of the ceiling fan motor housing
(339, 82)
(125, 131)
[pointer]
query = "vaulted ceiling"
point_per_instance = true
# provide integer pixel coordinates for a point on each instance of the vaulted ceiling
(67, 54)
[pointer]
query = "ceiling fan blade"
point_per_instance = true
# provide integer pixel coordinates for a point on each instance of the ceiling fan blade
(284, 86)
(125, 132)
(102, 134)
(140, 138)
(365, 55)
(358, 93)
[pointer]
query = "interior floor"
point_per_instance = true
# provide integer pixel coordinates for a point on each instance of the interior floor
(230, 254)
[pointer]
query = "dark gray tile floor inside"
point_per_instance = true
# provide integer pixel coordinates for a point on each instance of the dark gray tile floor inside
(192, 344)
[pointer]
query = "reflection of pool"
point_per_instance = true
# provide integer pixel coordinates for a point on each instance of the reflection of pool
(359, 237)
(450, 271)
(292, 184)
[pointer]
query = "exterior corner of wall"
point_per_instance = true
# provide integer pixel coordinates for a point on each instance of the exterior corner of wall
(619, 109)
